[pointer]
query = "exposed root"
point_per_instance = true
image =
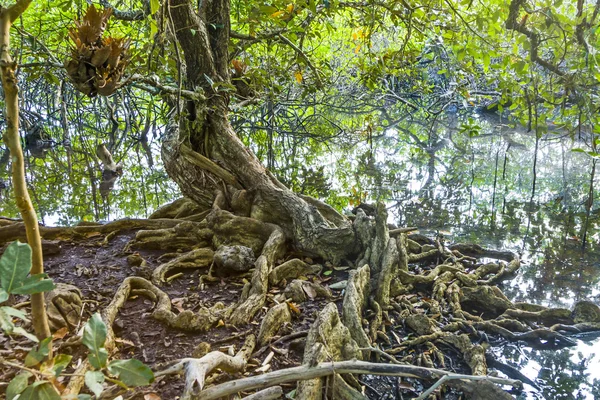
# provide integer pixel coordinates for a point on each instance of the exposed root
(276, 317)
(197, 369)
(292, 269)
(355, 302)
(307, 372)
(16, 231)
(328, 340)
(256, 291)
(185, 235)
(201, 320)
(199, 258)
(182, 208)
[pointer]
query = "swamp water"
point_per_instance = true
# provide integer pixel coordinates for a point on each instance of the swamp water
(469, 189)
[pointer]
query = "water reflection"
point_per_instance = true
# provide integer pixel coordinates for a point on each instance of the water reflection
(470, 179)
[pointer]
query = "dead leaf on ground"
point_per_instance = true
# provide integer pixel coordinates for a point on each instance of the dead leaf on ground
(61, 333)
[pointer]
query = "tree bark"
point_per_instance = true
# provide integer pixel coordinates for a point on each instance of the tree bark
(208, 139)
(12, 140)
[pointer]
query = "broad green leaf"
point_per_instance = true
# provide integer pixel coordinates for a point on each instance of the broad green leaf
(20, 331)
(98, 358)
(60, 362)
(40, 391)
(7, 325)
(94, 381)
(35, 284)
(36, 356)
(132, 372)
(94, 336)
(3, 295)
(18, 384)
(15, 313)
(15, 265)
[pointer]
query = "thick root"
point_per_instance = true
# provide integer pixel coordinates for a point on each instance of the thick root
(355, 302)
(292, 269)
(276, 317)
(328, 340)
(183, 236)
(255, 293)
(199, 258)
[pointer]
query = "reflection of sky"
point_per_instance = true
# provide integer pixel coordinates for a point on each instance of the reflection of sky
(555, 272)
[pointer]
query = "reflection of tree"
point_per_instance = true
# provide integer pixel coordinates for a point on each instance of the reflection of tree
(561, 374)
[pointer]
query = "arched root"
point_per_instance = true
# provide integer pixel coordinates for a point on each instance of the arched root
(185, 235)
(292, 269)
(198, 258)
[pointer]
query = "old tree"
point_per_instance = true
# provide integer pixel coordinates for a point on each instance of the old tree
(206, 61)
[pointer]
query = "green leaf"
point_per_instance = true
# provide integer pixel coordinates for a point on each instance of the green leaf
(132, 372)
(154, 5)
(94, 336)
(7, 325)
(18, 384)
(20, 331)
(3, 295)
(327, 273)
(15, 313)
(35, 356)
(60, 363)
(40, 391)
(35, 284)
(94, 381)
(84, 397)
(15, 265)
(98, 358)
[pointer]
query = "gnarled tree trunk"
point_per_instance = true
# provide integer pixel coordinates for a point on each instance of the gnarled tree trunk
(205, 157)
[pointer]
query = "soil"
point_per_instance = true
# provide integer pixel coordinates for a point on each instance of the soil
(98, 270)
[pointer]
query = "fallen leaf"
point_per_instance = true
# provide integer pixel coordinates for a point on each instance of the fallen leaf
(61, 333)
(310, 291)
(151, 396)
(294, 308)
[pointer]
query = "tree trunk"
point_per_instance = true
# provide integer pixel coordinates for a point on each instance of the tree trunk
(13, 142)
(207, 159)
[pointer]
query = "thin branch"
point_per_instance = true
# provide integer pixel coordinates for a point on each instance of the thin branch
(129, 15)
(303, 55)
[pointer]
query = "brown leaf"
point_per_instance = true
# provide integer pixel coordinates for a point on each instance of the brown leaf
(151, 396)
(294, 308)
(61, 333)
(310, 291)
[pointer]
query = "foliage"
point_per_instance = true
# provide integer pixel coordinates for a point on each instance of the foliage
(125, 373)
(15, 265)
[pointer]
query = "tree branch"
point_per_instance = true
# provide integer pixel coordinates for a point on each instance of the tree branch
(128, 15)
(534, 38)
(305, 372)
(303, 55)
